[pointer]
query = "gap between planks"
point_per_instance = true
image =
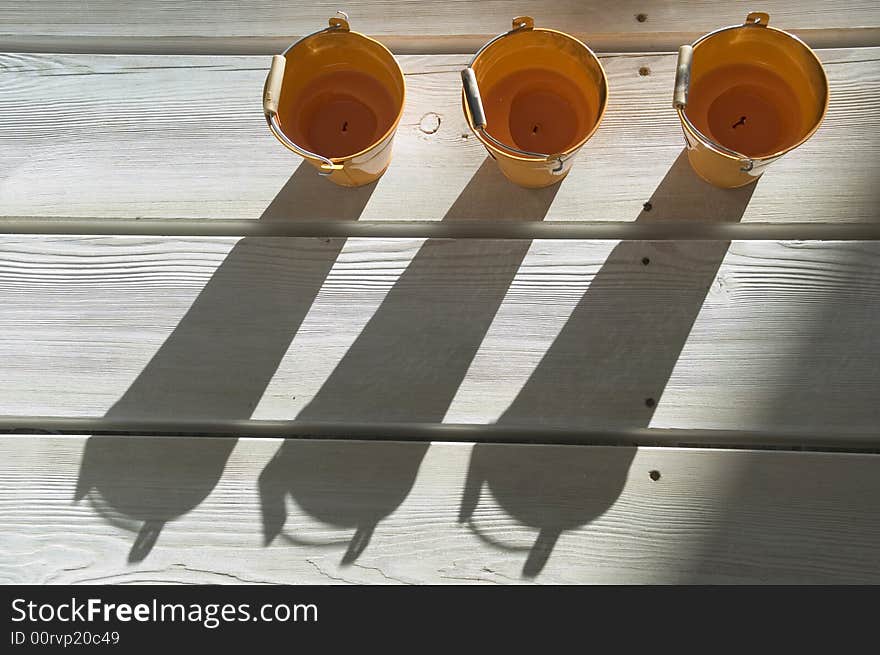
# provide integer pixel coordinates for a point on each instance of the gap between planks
(25, 426)
(449, 229)
(399, 44)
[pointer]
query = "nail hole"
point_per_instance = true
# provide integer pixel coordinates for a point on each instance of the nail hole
(345, 126)
(645, 261)
(644, 70)
(650, 402)
(641, 17)
(647, 206)
(654, 475)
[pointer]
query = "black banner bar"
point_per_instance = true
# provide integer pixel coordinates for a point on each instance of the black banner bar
(135, 619)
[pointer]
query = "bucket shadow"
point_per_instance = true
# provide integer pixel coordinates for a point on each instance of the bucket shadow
(406, 366)
(215, 365)
(607, 368)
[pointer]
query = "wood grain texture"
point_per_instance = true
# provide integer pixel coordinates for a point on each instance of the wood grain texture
(116, 136)
(775, 337)
(74, 510)
(164, 25)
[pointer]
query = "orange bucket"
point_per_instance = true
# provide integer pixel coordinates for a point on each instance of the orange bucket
(746, 95)
(534, 97)
(335, 97)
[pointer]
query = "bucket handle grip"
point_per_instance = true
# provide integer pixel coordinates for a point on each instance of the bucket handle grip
(683, 76)
(272, 96)
(472, 96)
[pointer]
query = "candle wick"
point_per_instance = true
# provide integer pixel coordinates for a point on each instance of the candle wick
(741, 121)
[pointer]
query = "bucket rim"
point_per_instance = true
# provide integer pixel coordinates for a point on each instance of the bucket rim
(568, 151)
(399, 71)
(738, 156)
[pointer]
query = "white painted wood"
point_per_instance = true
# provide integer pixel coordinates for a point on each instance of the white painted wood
(116, 136)
(772, 337)
(409, 22)
(753, 336)
(71, 510)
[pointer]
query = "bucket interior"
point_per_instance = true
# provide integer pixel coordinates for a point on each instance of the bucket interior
(341, 94)
(755, 90)
(542, 91)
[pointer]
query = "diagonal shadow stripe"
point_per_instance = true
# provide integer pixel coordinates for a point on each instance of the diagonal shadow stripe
(607, 368)
(216, 363)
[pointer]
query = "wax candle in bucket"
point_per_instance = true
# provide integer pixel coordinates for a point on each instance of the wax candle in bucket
(335, 98)
(534, 97)
(746, 95)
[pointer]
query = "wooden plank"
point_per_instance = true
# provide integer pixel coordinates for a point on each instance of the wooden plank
(266, 25)
(116, 136)
(200, 510)
(763, 336)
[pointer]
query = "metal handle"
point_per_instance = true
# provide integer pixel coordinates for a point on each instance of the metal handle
(475, 102)
(758, 19)
(478, 117)
(683, 77)
(272, 96)
(680, 99)
(519, 23)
